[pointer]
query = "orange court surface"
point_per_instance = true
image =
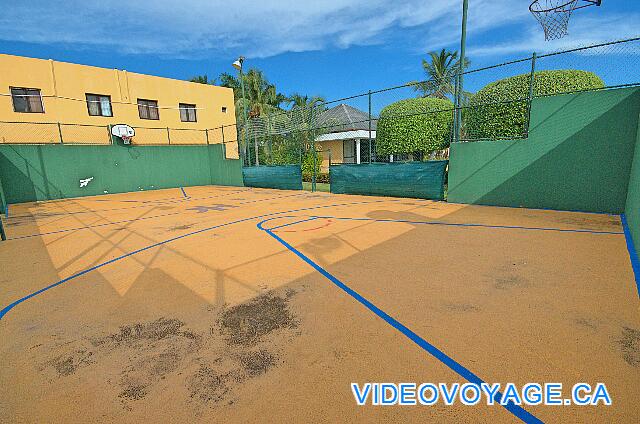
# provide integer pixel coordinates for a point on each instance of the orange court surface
(231, 304)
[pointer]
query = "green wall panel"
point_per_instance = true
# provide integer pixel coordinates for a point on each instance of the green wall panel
(578, 157)
(632, 208)
(283, 177)
(422, 180)
(45, 172)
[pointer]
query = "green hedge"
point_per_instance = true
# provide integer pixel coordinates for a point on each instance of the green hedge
(414, 125)
(320, 178)
(509, 120)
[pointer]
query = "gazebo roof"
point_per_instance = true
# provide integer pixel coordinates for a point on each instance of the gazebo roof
(345, 118)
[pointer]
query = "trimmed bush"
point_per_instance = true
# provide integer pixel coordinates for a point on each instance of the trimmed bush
(414, 125)
(509, 120)
(320, 178)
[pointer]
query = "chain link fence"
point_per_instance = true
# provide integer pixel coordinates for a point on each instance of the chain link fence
(85, 134)
(398, 124)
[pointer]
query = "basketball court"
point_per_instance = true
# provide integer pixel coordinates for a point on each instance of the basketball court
(230, 303)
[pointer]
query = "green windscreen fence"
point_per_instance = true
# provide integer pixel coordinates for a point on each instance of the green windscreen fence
(423, 180)
(283, 177)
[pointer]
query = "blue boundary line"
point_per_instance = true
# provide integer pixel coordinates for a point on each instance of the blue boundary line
(12, 305)
(137, 219)
(633, 253)
(457, 224)
(516, 410)
(184, 193)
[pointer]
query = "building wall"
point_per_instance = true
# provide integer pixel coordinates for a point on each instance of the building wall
(336, 153)
(578, 157)
(64, 86)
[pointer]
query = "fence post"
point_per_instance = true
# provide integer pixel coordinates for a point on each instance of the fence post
(168, 135)
(454, 127)
(531, 82)
(313, 152)
(60, 133)
(369, 95)
(206, 135)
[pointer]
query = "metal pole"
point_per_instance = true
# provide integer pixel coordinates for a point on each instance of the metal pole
(246, 122)
(463, 42)
(454, 127)
(313, 152)
(3, 235)
(369, 126)
(531, 82)
(60, 133)
(168, 135)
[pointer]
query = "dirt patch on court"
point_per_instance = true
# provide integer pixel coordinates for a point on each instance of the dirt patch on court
(630, 344)
(247, 323)
(244, 343)
(67, 364)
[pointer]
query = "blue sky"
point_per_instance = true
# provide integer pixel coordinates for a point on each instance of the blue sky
(333, 48)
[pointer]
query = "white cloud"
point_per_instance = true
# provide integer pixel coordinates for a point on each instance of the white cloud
(196, 28)
(259, 28)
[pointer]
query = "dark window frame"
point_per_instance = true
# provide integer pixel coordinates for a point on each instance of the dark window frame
(224, 109)
(99, 103)
(189, 112)
(26, 96)
(146, 106)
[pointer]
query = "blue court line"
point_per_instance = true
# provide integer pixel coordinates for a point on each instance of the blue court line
(153, 203)
(12, 305)
(183, 193)
(425, 345)
(455, 224)
(89, 227)
(633, 253)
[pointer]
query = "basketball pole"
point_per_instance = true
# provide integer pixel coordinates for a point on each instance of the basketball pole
(463, 42)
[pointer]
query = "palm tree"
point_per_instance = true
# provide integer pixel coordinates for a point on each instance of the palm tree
(299, 101)
(202, 79)
(441, 71)
(261, 98)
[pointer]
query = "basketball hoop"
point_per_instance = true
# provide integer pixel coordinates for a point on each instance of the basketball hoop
(124, 132)
(554, 15)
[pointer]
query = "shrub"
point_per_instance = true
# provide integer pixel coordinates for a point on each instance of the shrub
(414, 125)
(508, 120)
(320, 178)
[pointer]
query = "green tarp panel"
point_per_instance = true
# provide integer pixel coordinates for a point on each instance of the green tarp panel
(45, 172)
(283, 177)
(423, 180)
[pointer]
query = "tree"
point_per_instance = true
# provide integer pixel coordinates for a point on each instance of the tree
(202, 79)
(440, 71)
(297, 100)
(261, 97)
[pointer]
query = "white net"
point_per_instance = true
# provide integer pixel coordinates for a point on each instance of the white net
(554, 16)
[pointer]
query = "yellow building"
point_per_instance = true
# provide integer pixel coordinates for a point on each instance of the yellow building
(45, 101)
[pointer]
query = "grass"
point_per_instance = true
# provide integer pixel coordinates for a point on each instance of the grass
(319, 186)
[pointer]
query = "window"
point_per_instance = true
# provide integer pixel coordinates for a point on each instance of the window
(148, 109)
(187, 112)
(28, 100)
(224, 109)
(98, 105)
